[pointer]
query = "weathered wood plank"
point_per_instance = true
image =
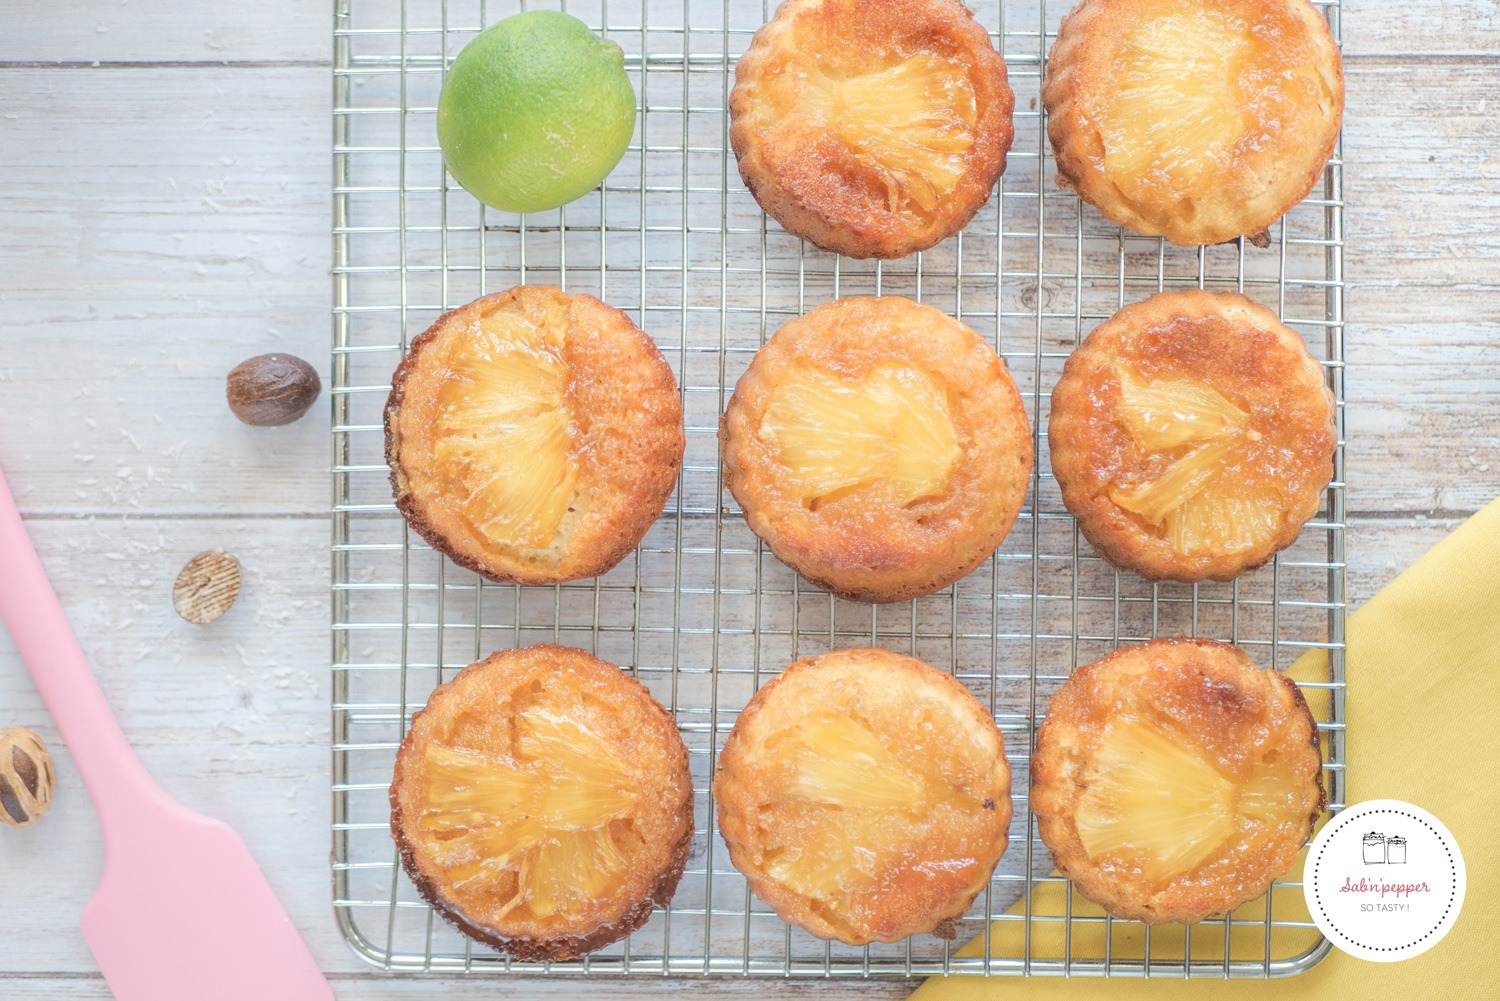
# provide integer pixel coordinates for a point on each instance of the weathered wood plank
(283, 30)
(156, 235)
(1378, 27)
(163, 30)
(1423, 175)
(1423, 184)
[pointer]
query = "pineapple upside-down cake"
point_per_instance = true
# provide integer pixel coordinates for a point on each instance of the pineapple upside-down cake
(879, 446)
(542, 802)
(865, 796)
(1197, 120)
(1191, 435)
(1174, 780)
(533, 435)
(871, 129)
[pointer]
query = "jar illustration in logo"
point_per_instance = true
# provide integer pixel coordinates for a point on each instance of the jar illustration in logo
(1375, 848)
(1395, 850)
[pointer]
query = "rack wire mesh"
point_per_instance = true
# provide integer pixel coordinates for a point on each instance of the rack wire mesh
(702, 613)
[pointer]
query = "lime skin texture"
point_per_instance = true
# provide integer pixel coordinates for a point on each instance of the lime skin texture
(535, 111)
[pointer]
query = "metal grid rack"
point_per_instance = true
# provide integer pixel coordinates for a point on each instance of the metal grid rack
(702, 613)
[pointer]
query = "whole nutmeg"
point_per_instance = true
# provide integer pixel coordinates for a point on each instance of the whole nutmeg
(26, 777)
(271, 390)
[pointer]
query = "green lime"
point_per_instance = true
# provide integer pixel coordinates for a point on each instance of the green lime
(535, 111)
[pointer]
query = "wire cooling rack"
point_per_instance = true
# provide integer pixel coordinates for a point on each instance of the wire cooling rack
(701, 613)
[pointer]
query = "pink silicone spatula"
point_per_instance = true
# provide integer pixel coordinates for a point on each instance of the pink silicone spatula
(182, 912)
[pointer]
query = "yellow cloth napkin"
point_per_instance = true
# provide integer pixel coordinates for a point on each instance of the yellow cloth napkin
(1424, 726)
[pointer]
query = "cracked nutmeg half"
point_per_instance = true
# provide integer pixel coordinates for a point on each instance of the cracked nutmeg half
(1197, 120)
(27, 777)
(533, 435)
(865, 796)
(1175, 780)
(879, 447)
(871, 129)
(1192, 435)
(542, 803)
(207, 586)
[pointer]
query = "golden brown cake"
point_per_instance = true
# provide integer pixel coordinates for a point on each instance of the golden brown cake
(533, 436)
(1174, 780)
(872, 128)
(542, 803)
(1192, 435)
(1197, 120)
(865, 796)
(879, 447)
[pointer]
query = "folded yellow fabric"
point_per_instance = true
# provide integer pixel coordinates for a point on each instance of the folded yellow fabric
(1424, 723)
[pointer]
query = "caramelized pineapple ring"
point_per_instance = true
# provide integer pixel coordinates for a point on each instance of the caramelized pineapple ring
(533, 435)
(542, 802)
(865, 796)
(878, 446)
(1175, 780)
(1191, 436)
(872, 130)
(1199, 121)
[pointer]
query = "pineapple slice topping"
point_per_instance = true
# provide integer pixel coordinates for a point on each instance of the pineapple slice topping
(835, 436)
(1175, 110)
(1270, 797)
(1155, 800)
(841, 765)
(830, 860)
(1182, 482)
(840, 762)
(502, 427)
(1194, 504)
(911, 122)
(535, 824)
(1164, 414)
(1226, 521)
(568, 873)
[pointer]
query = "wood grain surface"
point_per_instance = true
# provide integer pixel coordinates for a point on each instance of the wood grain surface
(164, 213)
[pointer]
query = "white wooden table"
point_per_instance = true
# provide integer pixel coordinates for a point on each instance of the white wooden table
(164, 213)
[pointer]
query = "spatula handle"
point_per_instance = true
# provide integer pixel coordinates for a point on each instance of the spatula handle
(32, 613)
